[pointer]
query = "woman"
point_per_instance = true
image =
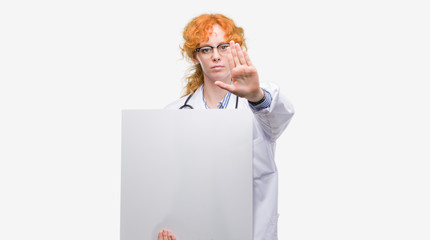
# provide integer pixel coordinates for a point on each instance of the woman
(224, 77)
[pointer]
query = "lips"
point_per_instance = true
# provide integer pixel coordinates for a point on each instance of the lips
(217, 67)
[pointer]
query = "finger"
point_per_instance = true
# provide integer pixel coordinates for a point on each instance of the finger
(248, 60)
(165, 235)
(227, 87)
(240, 55)
(230, 58)
(160, 235)
(234, 53)
(173, 237)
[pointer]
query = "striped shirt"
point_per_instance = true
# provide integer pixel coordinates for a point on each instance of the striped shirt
(265, 103)
(221, 105)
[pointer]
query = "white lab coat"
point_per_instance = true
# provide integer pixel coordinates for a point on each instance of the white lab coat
(269, 123)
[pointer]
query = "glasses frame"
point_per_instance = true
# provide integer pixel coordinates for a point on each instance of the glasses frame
(212, 48)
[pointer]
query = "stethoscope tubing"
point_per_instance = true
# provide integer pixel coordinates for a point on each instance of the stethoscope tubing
(186, 105)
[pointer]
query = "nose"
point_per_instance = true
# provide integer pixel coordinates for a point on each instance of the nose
(215, 55)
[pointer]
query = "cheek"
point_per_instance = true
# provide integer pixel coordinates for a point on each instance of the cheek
(204, 65)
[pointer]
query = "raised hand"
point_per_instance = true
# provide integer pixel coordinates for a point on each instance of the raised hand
(245, 81)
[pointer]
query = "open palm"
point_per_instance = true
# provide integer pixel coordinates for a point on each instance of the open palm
(245, 81)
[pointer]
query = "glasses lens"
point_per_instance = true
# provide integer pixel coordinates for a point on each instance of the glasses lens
(208, 50)
(222, 49)
(205, 50)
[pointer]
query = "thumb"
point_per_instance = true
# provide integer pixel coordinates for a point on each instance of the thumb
(227, 87)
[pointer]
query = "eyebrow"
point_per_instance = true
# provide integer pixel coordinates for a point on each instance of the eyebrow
(207, 45)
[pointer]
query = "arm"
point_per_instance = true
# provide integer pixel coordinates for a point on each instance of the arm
(245, 83)
(276, 117)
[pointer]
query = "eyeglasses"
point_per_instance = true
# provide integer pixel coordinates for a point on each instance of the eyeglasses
(208, 50)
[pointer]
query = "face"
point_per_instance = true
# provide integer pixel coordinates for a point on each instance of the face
(215, 65)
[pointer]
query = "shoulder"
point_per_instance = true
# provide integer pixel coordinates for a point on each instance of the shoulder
(274, 91)
(194, 101)
(177, 104)
(269, 86)
(279, 100)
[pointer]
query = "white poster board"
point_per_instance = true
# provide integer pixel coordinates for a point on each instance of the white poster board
(189, 171)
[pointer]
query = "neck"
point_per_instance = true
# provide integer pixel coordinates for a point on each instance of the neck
(213, 94)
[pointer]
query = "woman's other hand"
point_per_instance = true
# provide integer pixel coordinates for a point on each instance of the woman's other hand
(166, 235)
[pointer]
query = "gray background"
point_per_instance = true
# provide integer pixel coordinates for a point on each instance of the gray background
(353, 163)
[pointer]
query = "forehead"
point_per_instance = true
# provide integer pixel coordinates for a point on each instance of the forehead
(215, 37)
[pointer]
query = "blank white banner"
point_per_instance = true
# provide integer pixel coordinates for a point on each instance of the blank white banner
(189, 171)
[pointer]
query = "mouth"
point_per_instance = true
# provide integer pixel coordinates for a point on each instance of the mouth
(217, 67)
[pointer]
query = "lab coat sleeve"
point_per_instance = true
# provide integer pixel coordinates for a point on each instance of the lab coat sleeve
(275, 118)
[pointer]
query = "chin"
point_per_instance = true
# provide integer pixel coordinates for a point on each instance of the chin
(219, 79)
(220, 76)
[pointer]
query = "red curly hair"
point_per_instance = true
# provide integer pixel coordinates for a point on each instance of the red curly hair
(198, 30)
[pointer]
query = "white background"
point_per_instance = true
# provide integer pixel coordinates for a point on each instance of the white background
(353, 164)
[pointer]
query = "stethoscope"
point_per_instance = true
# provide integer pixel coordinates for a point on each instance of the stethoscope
(186, 105)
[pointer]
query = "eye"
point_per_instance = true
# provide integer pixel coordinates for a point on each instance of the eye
(224, 46)
(205, 49)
